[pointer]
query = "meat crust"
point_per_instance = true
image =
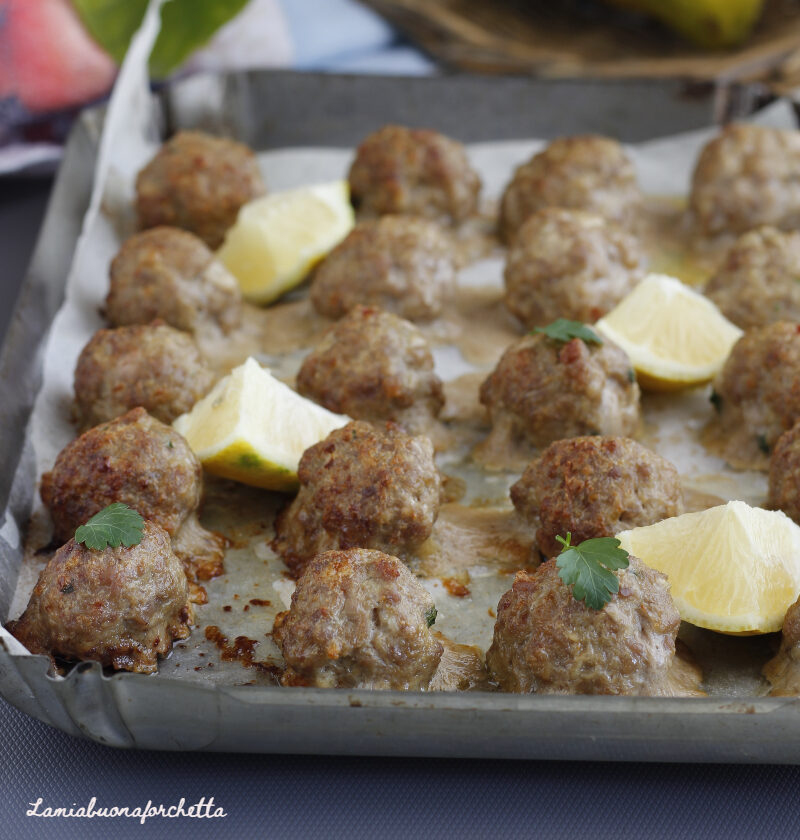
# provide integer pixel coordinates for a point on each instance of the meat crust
(359, 619)
(595, 487)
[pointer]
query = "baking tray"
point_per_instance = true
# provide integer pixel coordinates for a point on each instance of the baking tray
(270, 109)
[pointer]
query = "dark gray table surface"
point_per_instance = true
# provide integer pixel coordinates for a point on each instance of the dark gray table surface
(297, 797)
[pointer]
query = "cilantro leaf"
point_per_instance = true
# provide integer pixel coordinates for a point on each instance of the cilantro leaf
(430, 616)
(113, 526)
(589, 569)
(564, 330)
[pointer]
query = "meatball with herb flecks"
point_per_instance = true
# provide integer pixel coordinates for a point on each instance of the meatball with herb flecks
(547, 642)
(757, 392)
(153, 366)
(361, 487)
(569, 264)
(416, 172)
(544, 389)
(372, 365)
(144, 463)
(122, 607)
(578, 173)
(400, 264)
(170, 274)
(747, 176)
(784, 474)
(759, 281)
(197, 182)
(358, 619)
(595, 487)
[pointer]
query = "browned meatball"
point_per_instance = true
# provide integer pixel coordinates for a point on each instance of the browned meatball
(374, 366)
(747, 176)
(784, 475)
(359, 619)
(170, 274)
(120, 606)
(361, 487)
(153, 366)
(198, 182)
(413, 172)
(580, 173)
(569, 264)
(544, 390)
(783, 670)
(757, 392)
(595, 487)
(144, 463)
(400, 264)
(546, 642)
(759, 282)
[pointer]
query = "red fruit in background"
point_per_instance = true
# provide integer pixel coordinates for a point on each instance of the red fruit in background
(47, 60)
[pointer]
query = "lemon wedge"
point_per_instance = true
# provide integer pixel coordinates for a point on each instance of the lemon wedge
(279, 238)
(675, 337)
(732, 568)
(253, 428)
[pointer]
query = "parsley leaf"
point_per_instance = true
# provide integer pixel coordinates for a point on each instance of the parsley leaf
(113, 526)
(564, 330)
(430, 617)
(589, 568)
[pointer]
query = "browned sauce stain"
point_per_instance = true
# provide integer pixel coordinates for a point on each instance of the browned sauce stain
(197, 593)
(455, 588)
(241, 650)
(227, 608)
(492, 612)
(260, 602)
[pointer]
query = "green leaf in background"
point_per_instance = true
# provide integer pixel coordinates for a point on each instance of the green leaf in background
(186, 25)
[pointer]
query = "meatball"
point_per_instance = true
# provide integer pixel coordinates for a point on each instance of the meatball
(544, 390)
(361, 487)
(783, 670)
(579, 173)
(757, 392)
(569, 264)
(374, 366)
(197, 182)
(595, 487)
(144, 463)
(759, 282)
(400, 264)
(747, 176)
(413, 172)
(170, 274)
(119, 606)
(546, 642)
(153, 366)
(359, 619)
(784, 475)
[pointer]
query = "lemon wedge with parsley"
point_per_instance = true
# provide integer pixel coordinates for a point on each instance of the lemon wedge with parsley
(279, 238)
(253, 428)
(732, 568)
(675, 337)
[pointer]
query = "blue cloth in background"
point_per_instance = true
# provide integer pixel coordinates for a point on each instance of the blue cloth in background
(344, 36)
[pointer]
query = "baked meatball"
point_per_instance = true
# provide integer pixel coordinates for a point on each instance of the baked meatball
(413, 172)
(144, 463)
(757, 392)
(170, 274)
(544, 390)
(153, 366)
(747, 176)
(783, 670)
(569, 264)
(784, 475)
(197, 182)
(546, 642)
(595, 487)
(398, 263)
(580, 173)
(361, 487)
(759, 282)
(374, 366)
(119, 606)
(359, 619)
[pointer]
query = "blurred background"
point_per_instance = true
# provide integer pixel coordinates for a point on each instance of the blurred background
(59, 55)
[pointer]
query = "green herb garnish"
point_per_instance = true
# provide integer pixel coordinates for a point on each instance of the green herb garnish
(430, 617)
(589, 569)
(113, 526)
(761, 440)
(563, 330)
